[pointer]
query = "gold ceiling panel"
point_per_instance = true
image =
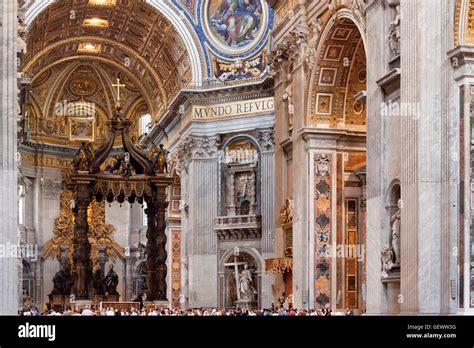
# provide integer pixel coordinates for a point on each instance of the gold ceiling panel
(55, 100)
(339, 75)
(131, 38)
(95, 23)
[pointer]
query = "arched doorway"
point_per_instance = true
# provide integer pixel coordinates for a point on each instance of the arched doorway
(240, 279)
(336, 108)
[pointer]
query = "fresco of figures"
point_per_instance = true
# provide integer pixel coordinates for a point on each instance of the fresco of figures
(236, 22)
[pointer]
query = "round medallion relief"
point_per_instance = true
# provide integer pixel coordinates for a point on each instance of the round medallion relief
(235, 26)
(358, 107)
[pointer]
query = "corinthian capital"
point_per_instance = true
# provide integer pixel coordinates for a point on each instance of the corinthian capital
(297, 43)
(206, 147)
(194, 147)
(183, 154)
(278, 60)
(266, 139)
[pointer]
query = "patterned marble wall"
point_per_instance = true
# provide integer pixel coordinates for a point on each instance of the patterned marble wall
(323, 225)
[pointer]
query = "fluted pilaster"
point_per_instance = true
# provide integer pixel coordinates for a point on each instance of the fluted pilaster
(409, 162)
(8, 174)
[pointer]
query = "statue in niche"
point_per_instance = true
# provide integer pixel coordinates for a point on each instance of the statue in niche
(83, 158)
(111, 281)
(62, 281)
(395, 223)
(282, 300)
(247, 291)
(394, 33)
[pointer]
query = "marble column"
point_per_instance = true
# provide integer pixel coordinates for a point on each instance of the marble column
(199, 155)
(82, 265)
(377, 49)
(288, 58)
(267, 180)
(9, 264)
(279, 65)
(462, 58)
(157, 269)
(426, 203)
(302, 279)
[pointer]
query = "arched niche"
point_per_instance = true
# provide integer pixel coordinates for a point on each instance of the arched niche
(393, 196)
(240, 177)
(338, 80)
(228, 283)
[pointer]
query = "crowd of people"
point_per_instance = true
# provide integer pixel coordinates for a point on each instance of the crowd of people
(203, 312)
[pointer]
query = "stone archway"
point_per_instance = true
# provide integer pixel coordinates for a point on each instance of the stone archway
(234, 260)
(337, 102)
(171, 13)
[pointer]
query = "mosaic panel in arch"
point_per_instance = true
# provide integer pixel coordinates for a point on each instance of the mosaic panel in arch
(235, 26)
(236, 23)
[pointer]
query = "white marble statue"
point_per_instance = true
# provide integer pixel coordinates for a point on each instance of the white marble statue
(394, 33)
(247, 291)
(395, 223)
(387, 260)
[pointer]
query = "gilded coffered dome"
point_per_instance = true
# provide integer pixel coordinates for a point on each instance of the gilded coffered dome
(76, 51)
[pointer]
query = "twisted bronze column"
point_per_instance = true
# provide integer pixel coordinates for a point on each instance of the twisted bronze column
(82, 267)
(156, 247)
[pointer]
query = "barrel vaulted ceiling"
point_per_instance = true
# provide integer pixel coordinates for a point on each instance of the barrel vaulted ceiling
(90, 42)
(131, 36)
(155, 47)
